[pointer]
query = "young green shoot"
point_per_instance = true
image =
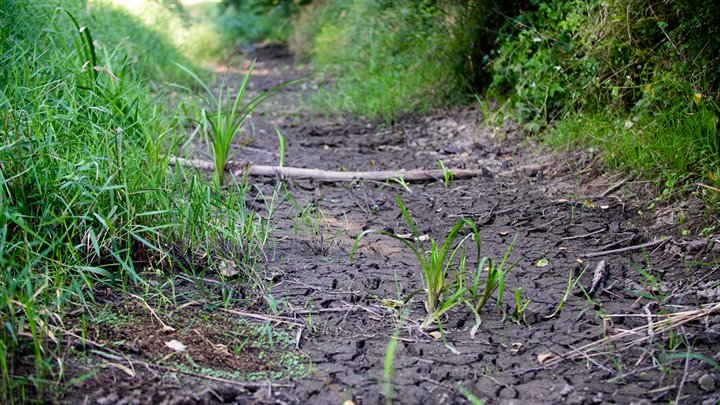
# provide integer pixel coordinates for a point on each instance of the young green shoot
(520, 307)
(388, 370)
(572, 282)
(435, 262)
(281, 139)
(399, 179)
(448, 176)
(223, 116)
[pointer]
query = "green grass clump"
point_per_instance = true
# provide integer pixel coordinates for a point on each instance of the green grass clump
(87, 195)
(442, 291)
(638, 81)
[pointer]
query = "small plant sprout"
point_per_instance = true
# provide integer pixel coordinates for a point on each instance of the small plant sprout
(495, 280)
(399, 179)
(222, 116)
(388, 369)
(435, 262)
(520, 307)
(281, 139)
(572, 282)
(447, 174)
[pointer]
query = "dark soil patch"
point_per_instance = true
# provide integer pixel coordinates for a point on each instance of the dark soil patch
(553, 212)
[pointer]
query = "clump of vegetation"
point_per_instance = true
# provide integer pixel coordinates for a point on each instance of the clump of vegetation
(224, 115)
(384, 59)
(442, 291)
(637, 80)
(87, 195)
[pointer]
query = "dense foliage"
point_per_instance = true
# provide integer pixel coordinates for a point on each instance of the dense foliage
(86, 192)
(638, 79)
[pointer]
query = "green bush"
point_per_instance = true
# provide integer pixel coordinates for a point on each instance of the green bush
(639, 79)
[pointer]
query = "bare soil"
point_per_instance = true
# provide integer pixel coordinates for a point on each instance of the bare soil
(556, 208)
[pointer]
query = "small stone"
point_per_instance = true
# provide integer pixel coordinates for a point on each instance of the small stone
(531, 170)
(707, 382)
(696, 245)
(566, 390)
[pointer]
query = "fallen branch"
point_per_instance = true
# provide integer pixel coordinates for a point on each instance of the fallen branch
(415, 175)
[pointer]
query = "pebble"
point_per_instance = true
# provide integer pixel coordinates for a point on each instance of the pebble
(707, 382)
(566, 390)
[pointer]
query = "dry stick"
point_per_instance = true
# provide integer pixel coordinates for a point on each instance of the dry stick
(539, 227)
(332, 176)
(278, 319)
(708, 187)
(347, 308)
(613, 187)
(217, 379)
(627, 249)
(685, 373)
(165, 327)
(672, 321)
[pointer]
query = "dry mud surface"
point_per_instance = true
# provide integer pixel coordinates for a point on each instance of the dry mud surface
(554, 208)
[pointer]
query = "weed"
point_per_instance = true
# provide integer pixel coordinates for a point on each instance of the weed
(447, 174)
(572, 282)
(521, 305)
(388, 370)
(312, 226)
(399, 179)
(223, 116)
(281, 148)
(474, 400)
(435, 263)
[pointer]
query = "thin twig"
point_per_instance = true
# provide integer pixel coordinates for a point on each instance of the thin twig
(613, 187)
(263, 317)
(165, 327)
(603, 229)
(628, 249)
(685, 373)
(537, 228)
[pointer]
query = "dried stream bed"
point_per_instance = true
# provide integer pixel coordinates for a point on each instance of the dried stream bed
(557, 211)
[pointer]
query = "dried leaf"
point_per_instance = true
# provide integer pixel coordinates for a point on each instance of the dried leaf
(543, 357)
(176, 345)
(452, 349)
(121, 367)
(435, 335)
(228, 268)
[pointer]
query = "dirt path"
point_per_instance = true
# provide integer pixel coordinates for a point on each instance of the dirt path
(346, 307)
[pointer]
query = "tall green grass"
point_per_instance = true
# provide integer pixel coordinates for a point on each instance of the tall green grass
(637, 81)
(87, 195)
(382, 59)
